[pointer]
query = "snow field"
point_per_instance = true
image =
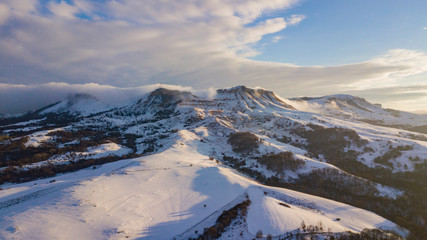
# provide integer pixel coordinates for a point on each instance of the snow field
(40, 137)
(159, 197)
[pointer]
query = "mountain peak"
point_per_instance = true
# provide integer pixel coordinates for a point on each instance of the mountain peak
(78, 103)
(159, 100)
(356, 108)
(253, 96)
(244, 89)
(163, 97)
(168, 92)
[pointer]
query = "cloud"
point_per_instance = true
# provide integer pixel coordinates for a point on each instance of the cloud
(275, 39)
(4, 13)
(17, 98)
(254, 34)
(406, 63)
(63, 9)
(295, 19)
(129, 43)
(201, 44)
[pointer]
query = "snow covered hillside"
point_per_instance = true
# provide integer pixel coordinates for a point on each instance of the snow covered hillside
(355, 108)
(173, 194)
(78, 104)
(176, 165)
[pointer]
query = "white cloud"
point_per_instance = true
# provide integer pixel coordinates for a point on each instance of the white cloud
(191, 43)
(254, 34)
(295, 19)
(406, 63)
(22, 7)
(4, 13)
(16, 98)
(134, 42)
(18, 95)
(63, 9)
(275, 39)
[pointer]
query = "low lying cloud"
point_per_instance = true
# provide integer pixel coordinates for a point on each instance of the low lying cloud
(18, 98)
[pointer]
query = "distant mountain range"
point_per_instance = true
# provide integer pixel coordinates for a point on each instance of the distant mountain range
(355, 108)
(243, 164)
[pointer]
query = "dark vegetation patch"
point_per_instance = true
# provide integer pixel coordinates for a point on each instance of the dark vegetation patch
(392, 153)
(418, 137)
(283, 139)
(405, 147)
(331, 142)
(224, 221)
(368, 234)
(243, 142)
(420, 129)
(284, 204)
(14, 154)
(50, 119)
(386, 157)
(14, 175)
(280, 162)
(318, 231)
(234, 162)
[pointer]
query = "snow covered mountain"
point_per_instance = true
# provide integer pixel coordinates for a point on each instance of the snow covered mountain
(248, 99)
(354, 108)
(241, 165)
(77, 104)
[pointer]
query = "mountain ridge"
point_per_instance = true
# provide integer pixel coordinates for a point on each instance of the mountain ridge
(355, 108)
(251, 132)
(343, 106)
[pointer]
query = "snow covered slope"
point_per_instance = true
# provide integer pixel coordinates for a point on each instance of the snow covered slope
(245, 98)
(164, 196)
(355, 108)
(78, 104)
(177, 155)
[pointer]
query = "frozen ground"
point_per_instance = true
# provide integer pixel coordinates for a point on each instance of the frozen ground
(354, 108)
(37, 138)
(162, 196)
(103, 150)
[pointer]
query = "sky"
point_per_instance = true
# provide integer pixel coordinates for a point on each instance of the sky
(372, 49)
